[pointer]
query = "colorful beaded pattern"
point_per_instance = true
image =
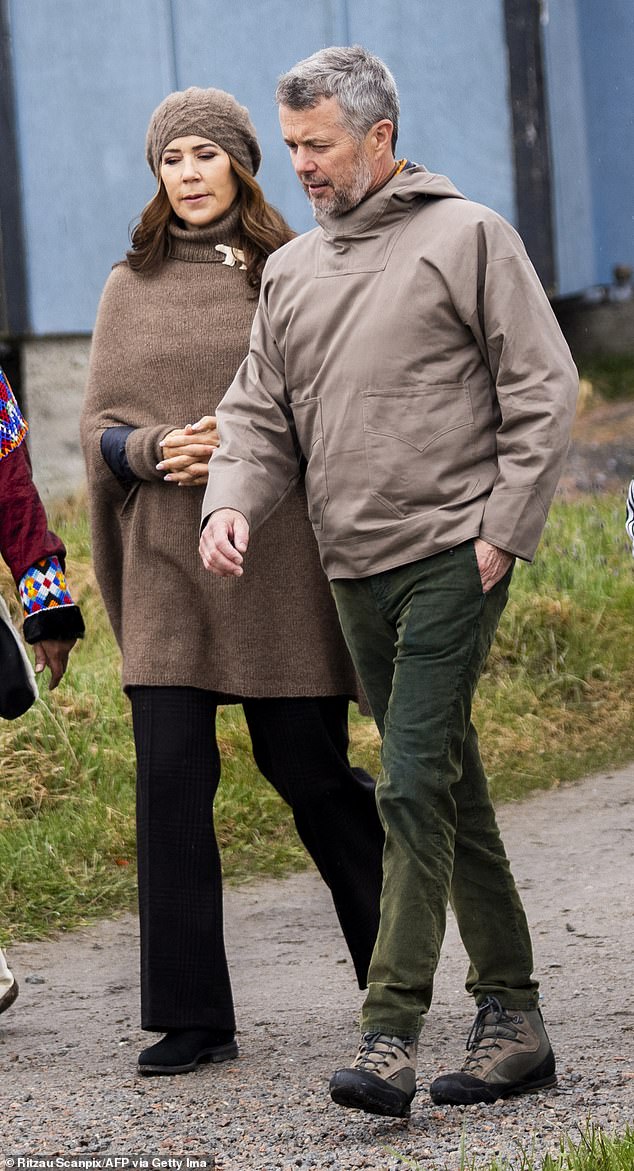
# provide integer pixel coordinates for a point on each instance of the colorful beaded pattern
(44, 587)
(13, 427)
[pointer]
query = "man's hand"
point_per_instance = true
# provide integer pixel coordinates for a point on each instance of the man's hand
(187, 451)
(492, 563)
(224, 539)
(53, 653)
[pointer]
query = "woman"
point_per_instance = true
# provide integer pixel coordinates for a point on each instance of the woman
(173, 326)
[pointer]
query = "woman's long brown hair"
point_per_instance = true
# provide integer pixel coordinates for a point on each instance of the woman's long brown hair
(262, 229)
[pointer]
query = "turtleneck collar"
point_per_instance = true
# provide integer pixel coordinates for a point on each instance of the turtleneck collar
(200, 245)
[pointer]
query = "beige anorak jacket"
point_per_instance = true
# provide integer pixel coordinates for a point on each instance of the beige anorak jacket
(409, 355)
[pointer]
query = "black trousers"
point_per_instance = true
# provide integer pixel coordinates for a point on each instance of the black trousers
(301, 747)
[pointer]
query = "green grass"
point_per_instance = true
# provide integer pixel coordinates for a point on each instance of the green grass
(593, 1151)
(611, 375)
(554, 704)
(554, 701)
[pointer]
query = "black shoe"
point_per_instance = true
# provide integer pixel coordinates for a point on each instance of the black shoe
(181, 1050)
(10, 995)
(382, 1078)
(508, 1053)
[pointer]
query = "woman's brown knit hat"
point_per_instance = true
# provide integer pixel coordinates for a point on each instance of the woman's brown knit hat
(212, 114)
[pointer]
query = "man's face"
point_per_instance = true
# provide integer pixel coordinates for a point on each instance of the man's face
(334, 169)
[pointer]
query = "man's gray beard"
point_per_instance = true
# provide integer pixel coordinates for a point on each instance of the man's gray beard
(346, 198)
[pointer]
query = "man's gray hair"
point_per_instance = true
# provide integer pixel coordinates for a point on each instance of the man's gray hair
(361, 83)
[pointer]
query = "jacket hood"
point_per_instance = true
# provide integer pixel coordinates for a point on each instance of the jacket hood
(411, 185)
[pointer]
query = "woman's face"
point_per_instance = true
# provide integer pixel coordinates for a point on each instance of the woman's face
(198, 178)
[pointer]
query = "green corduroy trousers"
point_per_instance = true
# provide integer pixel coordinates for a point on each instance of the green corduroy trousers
(419, 636)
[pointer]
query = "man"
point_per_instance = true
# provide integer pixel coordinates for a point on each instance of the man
(406, 351)
(35, 556)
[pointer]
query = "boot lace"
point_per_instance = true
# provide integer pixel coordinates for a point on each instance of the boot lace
(485, 1036)
(377, 1050)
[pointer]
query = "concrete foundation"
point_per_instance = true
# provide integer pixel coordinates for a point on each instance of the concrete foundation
(597, 329)
(54, 373)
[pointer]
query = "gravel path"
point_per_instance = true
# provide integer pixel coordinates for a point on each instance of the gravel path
(69, 1091)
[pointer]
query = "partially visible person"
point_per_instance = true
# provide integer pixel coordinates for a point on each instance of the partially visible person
(35, 557)
(9, 987)
(172, 328)
(406, 351)
(34, 554)
(629, 514)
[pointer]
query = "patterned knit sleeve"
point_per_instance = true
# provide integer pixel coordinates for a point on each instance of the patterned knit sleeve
(13, 427)
(49, 610)
(629, 514)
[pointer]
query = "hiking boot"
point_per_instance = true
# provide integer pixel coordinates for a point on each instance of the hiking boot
(382, 1079)
(9, 996)
(181, 1050)
(508, 1052)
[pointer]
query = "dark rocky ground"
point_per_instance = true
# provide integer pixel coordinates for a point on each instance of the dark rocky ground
(601, 456)
(68, 1046)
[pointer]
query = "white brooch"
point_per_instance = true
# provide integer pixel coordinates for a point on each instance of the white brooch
(231, 255)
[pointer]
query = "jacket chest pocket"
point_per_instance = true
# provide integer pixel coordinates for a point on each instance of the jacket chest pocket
(419, 446)
(307, 417)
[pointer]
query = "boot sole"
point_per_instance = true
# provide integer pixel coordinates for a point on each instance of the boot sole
(479, 1095)
(347, 1089)
(206, 1056)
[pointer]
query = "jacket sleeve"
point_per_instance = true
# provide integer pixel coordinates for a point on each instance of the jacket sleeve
(535, 383)
(257, 462)
(113, 450)
(24, 533)
(35, 555)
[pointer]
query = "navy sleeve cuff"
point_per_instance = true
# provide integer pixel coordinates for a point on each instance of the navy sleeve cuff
(113, 441)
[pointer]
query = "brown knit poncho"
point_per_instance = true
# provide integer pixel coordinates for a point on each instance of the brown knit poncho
(165, 348)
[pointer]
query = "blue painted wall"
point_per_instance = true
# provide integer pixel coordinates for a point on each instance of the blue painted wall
(571, 175)
(607, 48)
(450, 62)
(452, 80)
(86, 77)
(589, 51)
(89, 74)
